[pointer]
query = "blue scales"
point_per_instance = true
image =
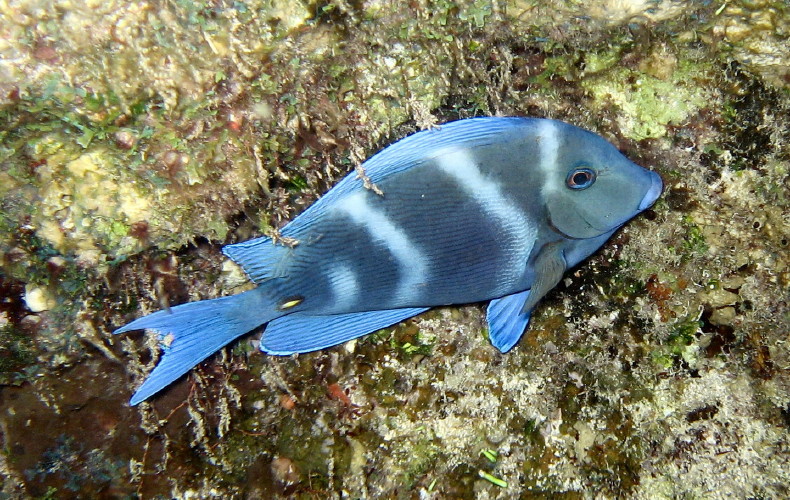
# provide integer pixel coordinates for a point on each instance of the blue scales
(484, 209)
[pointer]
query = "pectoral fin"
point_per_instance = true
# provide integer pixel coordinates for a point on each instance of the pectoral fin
(506, 321)
(549, 267)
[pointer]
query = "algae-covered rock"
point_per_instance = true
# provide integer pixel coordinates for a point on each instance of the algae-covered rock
(656, 93)
(138, 138)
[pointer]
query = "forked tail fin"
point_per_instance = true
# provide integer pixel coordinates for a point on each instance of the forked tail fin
(191, 332)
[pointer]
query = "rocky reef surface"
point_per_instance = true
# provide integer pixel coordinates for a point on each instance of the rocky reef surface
(136, 138)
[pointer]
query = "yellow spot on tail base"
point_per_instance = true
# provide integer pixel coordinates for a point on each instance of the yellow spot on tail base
(291, 302)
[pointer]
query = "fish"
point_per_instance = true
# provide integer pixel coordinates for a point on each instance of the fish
(481, 209)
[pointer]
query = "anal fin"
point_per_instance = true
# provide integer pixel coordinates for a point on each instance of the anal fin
(298, 333)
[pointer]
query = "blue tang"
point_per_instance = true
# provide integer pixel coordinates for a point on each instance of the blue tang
(475, 210)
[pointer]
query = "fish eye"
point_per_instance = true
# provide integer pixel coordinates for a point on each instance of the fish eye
(580, 178)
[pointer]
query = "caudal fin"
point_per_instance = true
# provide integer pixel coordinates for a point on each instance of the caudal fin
(191, 332)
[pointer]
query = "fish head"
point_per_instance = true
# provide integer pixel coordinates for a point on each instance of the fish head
(592, 189)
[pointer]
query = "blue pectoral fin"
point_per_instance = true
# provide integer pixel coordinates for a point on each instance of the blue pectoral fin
(299, 333)
(191, 332)
(506, 321)
(550, 265)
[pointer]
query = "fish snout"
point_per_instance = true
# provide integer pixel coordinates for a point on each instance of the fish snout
(656, 187)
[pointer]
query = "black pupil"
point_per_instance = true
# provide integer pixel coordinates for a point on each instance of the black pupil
(580, 178)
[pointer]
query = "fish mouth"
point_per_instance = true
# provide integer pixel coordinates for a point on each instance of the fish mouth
(655, 190)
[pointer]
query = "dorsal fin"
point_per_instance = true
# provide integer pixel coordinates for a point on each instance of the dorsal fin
(411, 151)
(260, 258)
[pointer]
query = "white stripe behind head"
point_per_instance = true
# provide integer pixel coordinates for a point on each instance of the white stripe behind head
(548, 144)
(412, 264)
(521, 232)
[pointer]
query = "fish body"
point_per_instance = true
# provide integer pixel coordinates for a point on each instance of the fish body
(479, 209)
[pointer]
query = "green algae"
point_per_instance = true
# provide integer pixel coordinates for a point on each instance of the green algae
(647, 102)
(679, 347)
(17, 357)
